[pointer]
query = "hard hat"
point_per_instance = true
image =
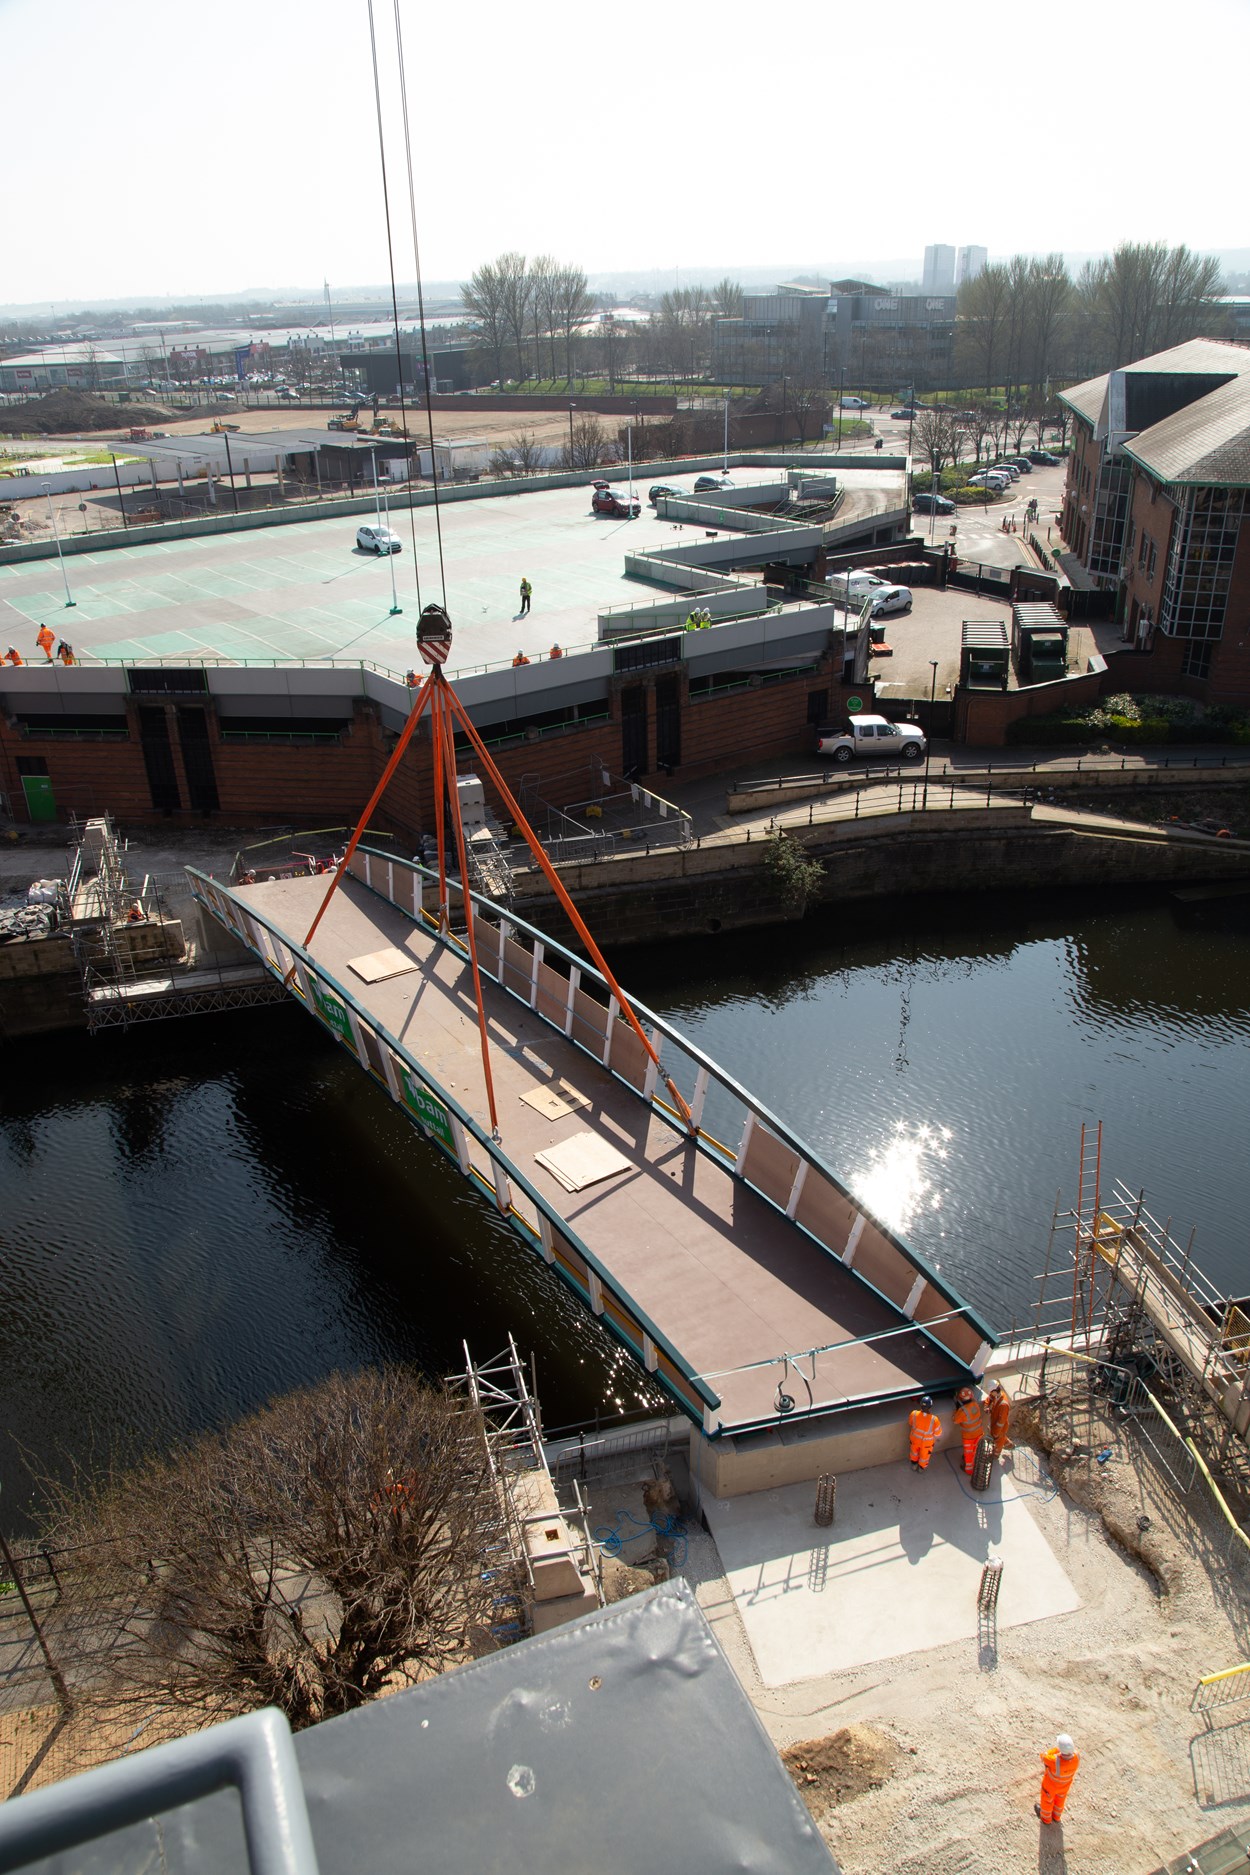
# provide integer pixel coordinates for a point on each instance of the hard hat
(927, 1402)
(996, 1386)
(1066, 1748)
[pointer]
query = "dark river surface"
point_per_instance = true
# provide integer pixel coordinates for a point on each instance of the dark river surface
(202, 1214)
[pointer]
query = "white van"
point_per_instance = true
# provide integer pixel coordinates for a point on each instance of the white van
(851, 588)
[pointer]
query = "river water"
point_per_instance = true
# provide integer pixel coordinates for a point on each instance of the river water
(202, 1214)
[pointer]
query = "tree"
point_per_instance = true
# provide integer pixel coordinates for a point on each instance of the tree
(1146, 299)
(542, 309)
(727, 299)
(979, 424)
(516, 289)
(572, 304)
(1049, 298)
(587, 446)
(932, 434)
(483, 298)
(983, 309)
(333, 1545)
(522, 454)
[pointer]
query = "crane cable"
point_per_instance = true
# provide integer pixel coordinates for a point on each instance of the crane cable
(416, 255)
(390, 256)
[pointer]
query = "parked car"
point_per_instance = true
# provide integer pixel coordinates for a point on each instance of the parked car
(1008, 469)
(378, 540)
(607, 501)
(709, 484)
(991, 479)
(932, 504)
(891, 599)
(902, 416)
(660, 489)
(871, 737)
(1044, 458)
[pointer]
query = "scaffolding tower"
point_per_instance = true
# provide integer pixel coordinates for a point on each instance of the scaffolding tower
(1124, 1298)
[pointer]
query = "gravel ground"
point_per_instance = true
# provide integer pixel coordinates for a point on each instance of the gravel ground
(956, 1798)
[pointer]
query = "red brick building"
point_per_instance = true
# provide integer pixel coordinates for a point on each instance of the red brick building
(1157, 492)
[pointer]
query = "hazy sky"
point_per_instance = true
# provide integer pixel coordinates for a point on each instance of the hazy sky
(160, 147)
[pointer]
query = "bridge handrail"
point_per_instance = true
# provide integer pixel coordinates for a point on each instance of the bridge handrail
(716, 1073)
(494, 1151)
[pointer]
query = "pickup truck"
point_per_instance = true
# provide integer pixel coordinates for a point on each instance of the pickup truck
(873, 738)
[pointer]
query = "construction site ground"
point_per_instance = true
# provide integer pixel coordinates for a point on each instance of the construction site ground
(924, 1760)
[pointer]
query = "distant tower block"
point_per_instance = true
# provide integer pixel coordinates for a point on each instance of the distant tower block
(939, 269)
(972, 261)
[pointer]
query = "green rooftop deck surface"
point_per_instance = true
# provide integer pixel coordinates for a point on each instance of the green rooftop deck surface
(304, 591)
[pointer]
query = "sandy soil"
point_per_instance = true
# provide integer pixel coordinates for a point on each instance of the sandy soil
(490, 426)
(929, 1766)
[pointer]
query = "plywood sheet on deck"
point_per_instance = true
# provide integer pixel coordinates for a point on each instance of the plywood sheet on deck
(377, 966)
(583, 1160)
(555, 1102)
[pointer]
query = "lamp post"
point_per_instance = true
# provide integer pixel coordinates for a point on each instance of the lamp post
(928, 741)
(629, 446)
(572, 408)
(841, 396)
(725, 456)
(395, 605)
(56, 534)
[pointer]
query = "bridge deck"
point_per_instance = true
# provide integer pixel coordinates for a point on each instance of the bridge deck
(723, 1274)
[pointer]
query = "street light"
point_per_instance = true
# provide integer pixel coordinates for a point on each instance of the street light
(56, 532)
(725, 457)
(390, 554)
(841, 397)
(572, 408)
(629, 445)
(928, 741)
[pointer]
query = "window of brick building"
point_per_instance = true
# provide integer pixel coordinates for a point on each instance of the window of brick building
(1196, 658)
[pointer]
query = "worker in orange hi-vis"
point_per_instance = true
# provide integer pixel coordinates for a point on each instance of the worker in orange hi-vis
(924, 1430)
(998, 1405)
(45, 640)
(969, 1419)
(1059, 1767)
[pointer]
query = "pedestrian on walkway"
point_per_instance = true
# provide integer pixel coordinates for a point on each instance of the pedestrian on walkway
(924, 1430)
(555, 652)
(1059, 1767)
(45, 640)
(527, 592)
(519, 659)
(13, 656)
(999, 1407)
(65, 652)
(968, 1418)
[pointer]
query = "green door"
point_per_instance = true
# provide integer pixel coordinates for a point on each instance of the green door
(40, 800)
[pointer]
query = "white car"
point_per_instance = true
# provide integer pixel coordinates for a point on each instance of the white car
(990, 478)
(854, 403)
(378, 540)
(872, 738)
(890, 599)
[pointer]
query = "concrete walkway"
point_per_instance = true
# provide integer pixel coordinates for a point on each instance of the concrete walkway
(899, 1570)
